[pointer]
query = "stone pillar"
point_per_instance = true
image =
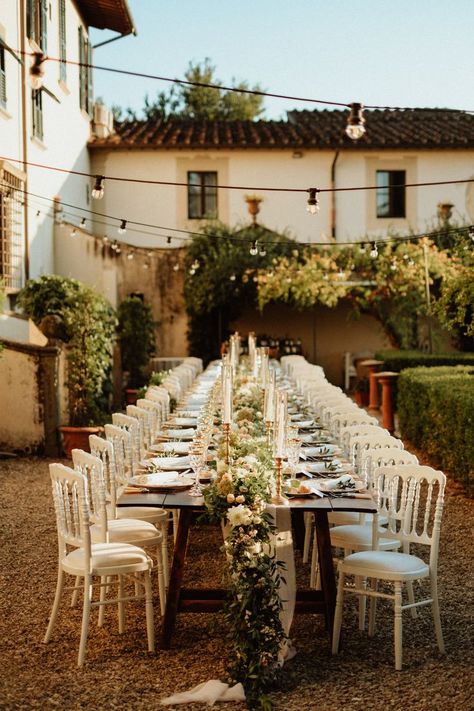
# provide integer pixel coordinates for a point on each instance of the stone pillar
(387, 379)
(49, 398)
(372, 366)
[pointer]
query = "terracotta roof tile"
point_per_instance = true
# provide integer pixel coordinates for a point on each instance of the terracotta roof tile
(389, 129)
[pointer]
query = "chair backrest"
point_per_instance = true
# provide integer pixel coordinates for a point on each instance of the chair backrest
(329, 413)
(162, 396)
(345, 419)
(104, 449)
(361, 429)
(121, 441)
(373, 440)
(144, 420)
(154, 408)
(91, 468)
(72, 509)
(371, 459)
(132, 425)
(411, 496)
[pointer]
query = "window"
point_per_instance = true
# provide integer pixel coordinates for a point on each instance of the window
(202, 195)
(85, 74)
(37, 22)
(11, 229)
(3, 79)
(37, 109)
(391, 193)
(62, 40)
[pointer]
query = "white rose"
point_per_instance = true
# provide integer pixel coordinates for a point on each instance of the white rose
(239, 516)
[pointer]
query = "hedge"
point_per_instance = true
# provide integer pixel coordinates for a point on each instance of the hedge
(398, 360)
(436, 414)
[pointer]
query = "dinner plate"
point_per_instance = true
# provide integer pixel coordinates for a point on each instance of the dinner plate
(171, 447)
(305, 424)
(183, 421)
(322, 468)
(322, 450)
(162, 481)
(313, 438)
(178, 434)
(326, 486)
(166, 463)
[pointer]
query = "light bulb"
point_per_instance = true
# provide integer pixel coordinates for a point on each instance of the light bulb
(355, 128)
(195, 265)
(362, 249)
(117, 250)
(98, 189)
(232, 277)
(254, 248)
(38, 213)
(83, 222)
(146, 265)
(471, 232)
(262, 252)
(374, 252)
(73, 232)
(255, 279)
(176, 267)
(313, 203)
(130, 255)
(168, 240)
(123, 227)
(192, 271)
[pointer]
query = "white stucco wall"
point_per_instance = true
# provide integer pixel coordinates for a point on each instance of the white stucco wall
(21, 422)
(355, 211)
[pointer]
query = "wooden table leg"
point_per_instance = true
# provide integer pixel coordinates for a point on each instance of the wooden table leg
(326, 567)
(176, 576)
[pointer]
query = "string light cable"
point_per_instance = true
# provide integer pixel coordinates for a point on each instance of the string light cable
(220, 87)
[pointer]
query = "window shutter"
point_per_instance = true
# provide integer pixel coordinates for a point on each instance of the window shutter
(90, 87)
(30, 18)
(81, 69)
(62, 40)
(43, 43)
(3, 79)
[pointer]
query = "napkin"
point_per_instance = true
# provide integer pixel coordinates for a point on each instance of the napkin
(208, 692)
(339, 483)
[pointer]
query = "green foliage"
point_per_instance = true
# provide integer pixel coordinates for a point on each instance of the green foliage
(223, 284)
(436, 413)
(390, 287)
(201, 102)
(137, 338)
(455, 308)
(399, 360)
(89, 327)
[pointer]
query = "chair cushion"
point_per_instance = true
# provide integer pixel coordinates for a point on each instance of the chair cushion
(108, 556)
(341, 518)
(127, 530)
(142, 513)
(359, 538)
(386, 565)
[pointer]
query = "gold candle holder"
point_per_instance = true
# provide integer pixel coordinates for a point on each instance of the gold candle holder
(227, 442)
(279, 499)
(268, 431)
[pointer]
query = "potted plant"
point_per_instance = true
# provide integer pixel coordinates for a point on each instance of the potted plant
(136, 335)
(88, 327)
(361, 391)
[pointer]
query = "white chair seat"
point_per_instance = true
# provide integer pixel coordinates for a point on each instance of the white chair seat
(107, 557)
(387, 565)
(142, 513)
(126, 530)
(359, 538)
(343, 518)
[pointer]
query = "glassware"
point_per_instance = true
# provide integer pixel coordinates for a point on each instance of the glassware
(197, 456)
(293, 446)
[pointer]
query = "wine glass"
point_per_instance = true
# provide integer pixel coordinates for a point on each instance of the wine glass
(197, 456)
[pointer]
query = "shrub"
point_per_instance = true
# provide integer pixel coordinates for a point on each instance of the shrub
(137, 338)
(436, 413)
(398, 360)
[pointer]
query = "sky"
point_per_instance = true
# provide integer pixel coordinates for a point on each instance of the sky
(407, 53)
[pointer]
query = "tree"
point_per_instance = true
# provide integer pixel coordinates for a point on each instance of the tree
(203, 102)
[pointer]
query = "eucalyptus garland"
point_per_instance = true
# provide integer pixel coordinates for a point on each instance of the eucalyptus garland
(236, 499)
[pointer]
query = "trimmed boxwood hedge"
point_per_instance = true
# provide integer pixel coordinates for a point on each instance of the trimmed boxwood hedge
(436, 414)
(398, 360)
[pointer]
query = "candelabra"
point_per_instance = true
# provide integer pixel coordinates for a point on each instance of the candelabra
(268, 431)
(278, 498)
(227, 442)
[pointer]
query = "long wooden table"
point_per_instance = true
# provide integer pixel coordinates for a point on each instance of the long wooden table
(211, 599)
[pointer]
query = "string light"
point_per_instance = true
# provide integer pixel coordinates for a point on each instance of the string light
(313, 202)
(195, 265)
(192, 271)
(83, 222)
(73, 232)
(355, 128)
(168, 240)
(362, 248)
(176, 267)
(38, 213)
(118, 249)
(232, 277)
(254, 248)
(374, 252)
(263, 251)
(37, 71)
(98, 189)
(123, 227)
(131, 254)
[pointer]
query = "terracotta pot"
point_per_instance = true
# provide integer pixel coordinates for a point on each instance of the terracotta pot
(361, 398)
(131, 396)
(77, 438)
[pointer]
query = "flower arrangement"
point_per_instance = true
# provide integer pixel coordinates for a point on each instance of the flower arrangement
(236, 499)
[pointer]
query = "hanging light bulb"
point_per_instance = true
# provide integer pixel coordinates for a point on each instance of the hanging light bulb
(176, 267)
(123, 227)
(131, 254)
(105, 240)
(37, 71)
(83, 222)
(118, 249)
(38, 213)
(313, 203)
(192, 271)
(355, 128)
(73, 232)
(374, 252)
(98, 189)
(168, 240)
(471, 232)
(146, 265)
(362, 248)
(254, 248)
(195, 265)
(232, 277)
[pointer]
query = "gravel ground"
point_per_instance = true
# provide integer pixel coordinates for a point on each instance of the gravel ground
(120, 674)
